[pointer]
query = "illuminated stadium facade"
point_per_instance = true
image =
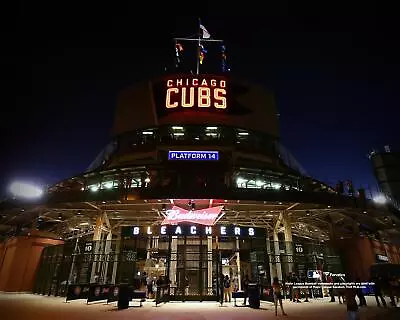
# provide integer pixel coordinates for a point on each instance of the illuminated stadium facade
(194, 183)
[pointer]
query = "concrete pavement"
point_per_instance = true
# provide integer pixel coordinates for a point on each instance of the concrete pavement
(35, 307)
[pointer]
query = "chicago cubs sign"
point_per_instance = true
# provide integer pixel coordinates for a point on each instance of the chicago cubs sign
(196, 92)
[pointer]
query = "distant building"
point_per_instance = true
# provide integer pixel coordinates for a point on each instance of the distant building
(386, 167)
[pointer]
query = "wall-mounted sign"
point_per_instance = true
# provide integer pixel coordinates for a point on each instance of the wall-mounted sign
(195, 92)
(194, 230)
(88, 247)
(299, 248)
(206, 217)
(193, 155)
(382, 258)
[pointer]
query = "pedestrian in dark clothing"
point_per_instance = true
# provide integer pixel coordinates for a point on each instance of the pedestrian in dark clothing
(221, 287)
(360, 295)
(352, 307)
(378, 292)
(245, 287)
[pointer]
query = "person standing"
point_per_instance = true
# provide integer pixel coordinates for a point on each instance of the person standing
(149, 287)
(352, 306)
(331, 292)
(227, 289)
(276, 287)
(221, 287)
(378, 292)
(245, 287)
(187, 285)
(360, 294)
(295, 291)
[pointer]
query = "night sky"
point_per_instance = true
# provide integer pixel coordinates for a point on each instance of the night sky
(335, 78)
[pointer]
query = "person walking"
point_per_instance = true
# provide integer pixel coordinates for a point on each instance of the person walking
(352, 306)
(227, 289)
(150, 287)
(360, 295)
(221, 287)
(245, 287)
(378, 292)
(276, 287)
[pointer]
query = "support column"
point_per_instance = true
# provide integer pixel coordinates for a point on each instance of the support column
(107, 251)
(238, 264)
(288, 242)
(277, 256)
(172, 270)
(272, 272)
(148, 247)
(98, 232)
(116, 258)
(356, 229)
(332, 232)
(71, 278)
(209, 265)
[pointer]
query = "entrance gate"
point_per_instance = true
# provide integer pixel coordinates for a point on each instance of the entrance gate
(196, 269)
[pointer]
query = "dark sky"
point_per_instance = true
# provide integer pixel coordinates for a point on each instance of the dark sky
(335, 77)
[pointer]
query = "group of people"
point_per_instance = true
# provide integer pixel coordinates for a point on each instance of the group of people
(152, 284)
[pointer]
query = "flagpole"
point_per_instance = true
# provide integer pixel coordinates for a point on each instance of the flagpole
(198, 47)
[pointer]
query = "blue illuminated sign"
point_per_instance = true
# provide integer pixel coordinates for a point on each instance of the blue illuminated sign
(193, 155)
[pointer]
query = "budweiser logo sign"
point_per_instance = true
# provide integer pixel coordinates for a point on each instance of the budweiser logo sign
(207, 217)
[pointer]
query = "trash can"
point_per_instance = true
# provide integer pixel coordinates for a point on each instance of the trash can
(123, 297)
(254, 295)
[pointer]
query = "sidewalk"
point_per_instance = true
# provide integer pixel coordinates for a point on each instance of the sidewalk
(35, 307)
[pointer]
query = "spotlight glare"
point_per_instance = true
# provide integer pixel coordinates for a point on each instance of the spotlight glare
(25, 190)
(380, 199)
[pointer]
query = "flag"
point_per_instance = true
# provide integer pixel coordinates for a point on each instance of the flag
(179, 47)
(223, 59)
(202, 53)
(178, 51)
(205, 33)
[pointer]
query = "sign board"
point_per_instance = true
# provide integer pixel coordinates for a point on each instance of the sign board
(382, 258)
(196, 92)
(193, 155)
(88, 247)
(194, 230)
(77, 291)
(299, 248)
(206, 217)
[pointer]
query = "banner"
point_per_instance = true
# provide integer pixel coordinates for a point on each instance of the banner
(113, 294)
(77, 291)
(98, 293)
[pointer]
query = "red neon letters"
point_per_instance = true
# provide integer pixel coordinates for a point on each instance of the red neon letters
(192, 92)
(206, 217)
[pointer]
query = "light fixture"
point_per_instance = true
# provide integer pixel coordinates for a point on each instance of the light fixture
(177, 128)
(379, 199)
(21, 189)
